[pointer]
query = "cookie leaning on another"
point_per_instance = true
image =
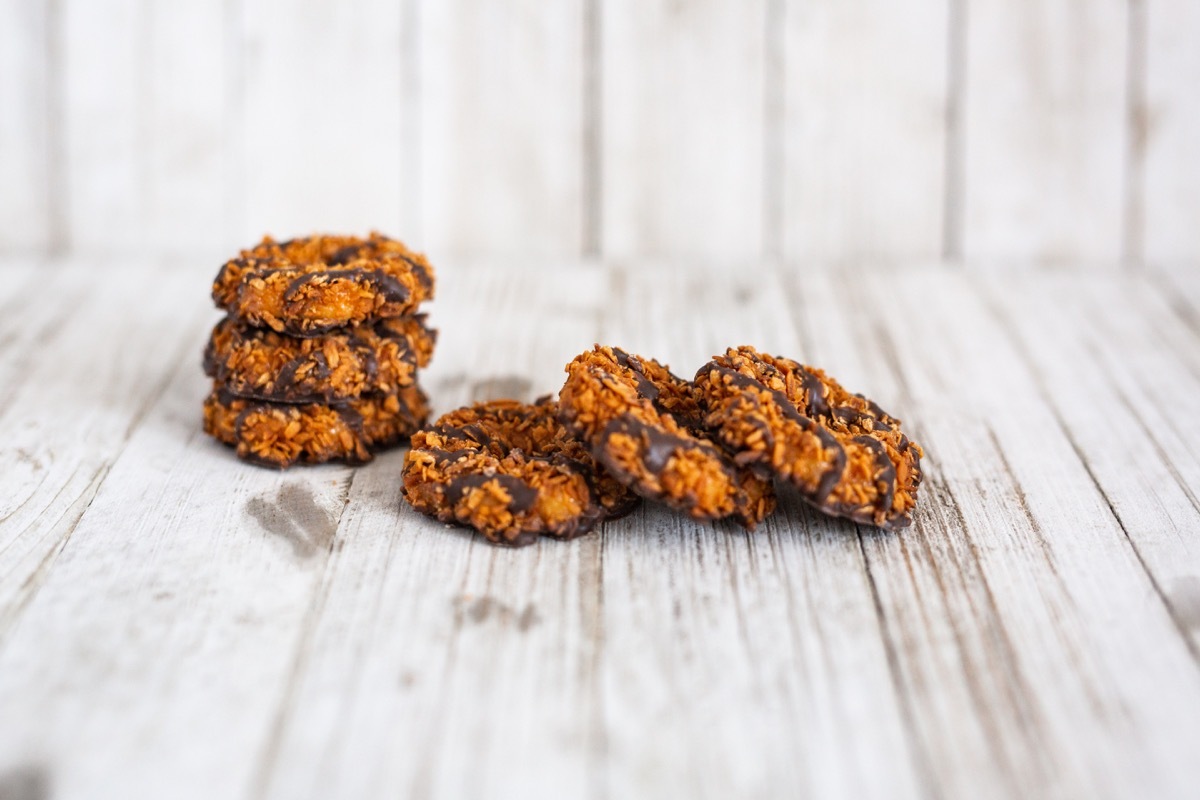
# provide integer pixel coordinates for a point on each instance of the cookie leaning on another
(643, 424)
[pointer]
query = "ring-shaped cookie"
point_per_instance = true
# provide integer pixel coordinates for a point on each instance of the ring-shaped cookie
(312, 285)
(845, 454)
(510, 471)
(280, 435)
(260, 364)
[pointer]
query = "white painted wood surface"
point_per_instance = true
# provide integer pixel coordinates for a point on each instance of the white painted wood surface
(865, 130)
(682, 132)
(27, 100)
(105, 137)
(1044, 124)
(321, 92)
(502, 110)
(176, 623)
(1167, 130)
(978, 130)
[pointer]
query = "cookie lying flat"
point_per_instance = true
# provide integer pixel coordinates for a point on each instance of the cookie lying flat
(843, 452)
(279, 435)
(308, 286)
(510, 471)
(260, 364)
(642, 423)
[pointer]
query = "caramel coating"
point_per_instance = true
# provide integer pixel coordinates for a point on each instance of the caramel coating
(280, 435)
(308, 286)
(844, 453)
(260, 364)
(510, 471)
(644, 425)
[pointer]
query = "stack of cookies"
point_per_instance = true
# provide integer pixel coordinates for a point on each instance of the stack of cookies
(318, 355)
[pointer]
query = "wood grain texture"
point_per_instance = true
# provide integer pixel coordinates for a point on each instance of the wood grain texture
(1045, 130)
(682, 136)
(1168, 127)
(323, 119)
(174, 622)
(1048, 609)
(502, 142)
(1149, 479)
(65, 419)
(866, 87)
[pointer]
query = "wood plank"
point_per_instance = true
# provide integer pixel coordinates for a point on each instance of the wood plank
(1179, 286)
(502, 128)
(1044, 126)
(26, 326)
(152, 659)
(27, 78)
(1125, 431)
(1021, 615)
(1168, 128)
(121, 588)
(865, 92)
(1160, 353)
(323, 119)
(682, 150)
(69, 410)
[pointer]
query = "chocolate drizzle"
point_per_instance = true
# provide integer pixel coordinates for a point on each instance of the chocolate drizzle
(748, 379)
(381, 265)
(656, 449)
(523, 498)
(645, 387)
(229, 342)
(483, 451)
(885, 472)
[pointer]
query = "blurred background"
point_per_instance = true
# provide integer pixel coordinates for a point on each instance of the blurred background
(986, 131)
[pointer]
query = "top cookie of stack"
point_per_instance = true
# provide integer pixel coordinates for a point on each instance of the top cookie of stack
(318, 355)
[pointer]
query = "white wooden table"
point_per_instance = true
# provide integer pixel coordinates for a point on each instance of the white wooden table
(174, 623)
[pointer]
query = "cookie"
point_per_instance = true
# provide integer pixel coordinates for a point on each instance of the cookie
(280, 435)
(510, 471)
(309, 286)
(846, 455)
(260, 364)
(643, 424)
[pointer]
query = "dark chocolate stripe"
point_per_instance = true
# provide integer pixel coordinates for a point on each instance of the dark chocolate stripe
(828, 441)
(421, 272)
(658, 446)
(817, 404)
(645, 387)
(886, 472)
(522, 497)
